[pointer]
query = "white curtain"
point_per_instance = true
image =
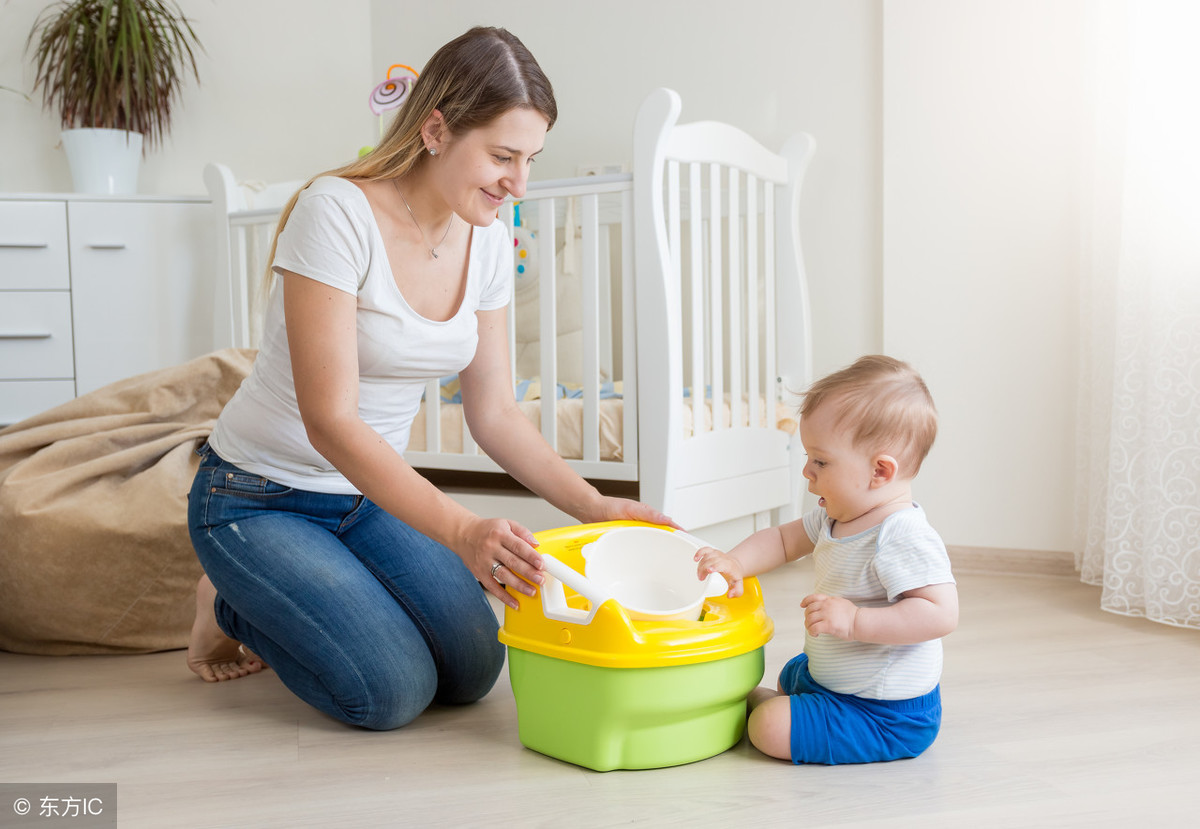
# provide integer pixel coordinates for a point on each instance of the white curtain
(1138, 494)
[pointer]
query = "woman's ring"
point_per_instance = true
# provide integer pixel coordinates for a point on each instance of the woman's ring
(496, 567)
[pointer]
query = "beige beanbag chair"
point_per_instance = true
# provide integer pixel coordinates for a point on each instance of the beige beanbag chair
(94, 549)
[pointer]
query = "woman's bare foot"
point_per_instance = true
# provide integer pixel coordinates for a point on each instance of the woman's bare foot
(212, 655)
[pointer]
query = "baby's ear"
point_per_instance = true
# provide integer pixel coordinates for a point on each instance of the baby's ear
(884, 470)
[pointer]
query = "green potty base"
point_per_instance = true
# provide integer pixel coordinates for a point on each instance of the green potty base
(631, 718)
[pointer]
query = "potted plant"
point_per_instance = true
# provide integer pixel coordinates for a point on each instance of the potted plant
(113, 69)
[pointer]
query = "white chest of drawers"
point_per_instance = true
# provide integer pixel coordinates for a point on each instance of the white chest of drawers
(96, 289)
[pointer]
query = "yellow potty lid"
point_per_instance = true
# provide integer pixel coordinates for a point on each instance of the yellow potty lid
(610, 638)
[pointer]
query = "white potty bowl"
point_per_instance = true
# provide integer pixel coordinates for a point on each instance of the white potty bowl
(650, 572)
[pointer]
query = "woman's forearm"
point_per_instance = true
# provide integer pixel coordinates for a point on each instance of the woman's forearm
(382, 475)
(509, 439)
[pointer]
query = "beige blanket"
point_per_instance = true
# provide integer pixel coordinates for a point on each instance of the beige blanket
(94, 549)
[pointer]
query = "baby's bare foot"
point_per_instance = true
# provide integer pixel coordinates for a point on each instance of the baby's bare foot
(212, 655)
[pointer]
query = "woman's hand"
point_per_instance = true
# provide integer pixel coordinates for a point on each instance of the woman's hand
(714, 561)
(491, 541)
(608, 508)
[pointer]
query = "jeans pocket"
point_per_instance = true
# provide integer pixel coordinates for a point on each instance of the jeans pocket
(240, 482)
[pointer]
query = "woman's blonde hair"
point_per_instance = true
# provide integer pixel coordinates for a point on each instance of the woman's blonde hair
(472, 80)
(884, 405)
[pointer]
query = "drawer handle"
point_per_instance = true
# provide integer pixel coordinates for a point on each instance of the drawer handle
(24, 245)
(25, 335)
(107, 246)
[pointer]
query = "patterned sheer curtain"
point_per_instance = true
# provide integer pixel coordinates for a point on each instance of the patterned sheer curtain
(1138, 493)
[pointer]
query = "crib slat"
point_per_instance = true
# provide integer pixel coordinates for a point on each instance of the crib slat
(433, 416)
(508, 215)
(241, 293)
(628, 335)
(699, 358)
(590, 296)
(547, 318)
(674, 223)
(734, 275)
(605, 273)
(772, 390)
(716, 308)
(752, 313)
(674, 220)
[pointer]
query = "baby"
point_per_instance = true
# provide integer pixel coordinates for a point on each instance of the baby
(866, 688)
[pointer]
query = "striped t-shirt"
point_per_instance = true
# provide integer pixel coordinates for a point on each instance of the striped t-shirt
(872, 569)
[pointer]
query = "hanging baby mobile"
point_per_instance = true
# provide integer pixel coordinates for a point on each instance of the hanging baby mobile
(390, 94)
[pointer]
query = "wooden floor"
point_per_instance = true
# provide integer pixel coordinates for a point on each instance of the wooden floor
(1056, 714)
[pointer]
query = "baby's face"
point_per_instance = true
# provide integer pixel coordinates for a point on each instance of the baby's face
(838, 473)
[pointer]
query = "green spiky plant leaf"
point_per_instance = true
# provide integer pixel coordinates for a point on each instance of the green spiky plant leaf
(115, 64)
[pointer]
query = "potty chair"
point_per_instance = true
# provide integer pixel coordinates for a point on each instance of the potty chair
(625, 659)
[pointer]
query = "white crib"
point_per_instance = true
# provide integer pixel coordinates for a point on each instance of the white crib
(663, 315)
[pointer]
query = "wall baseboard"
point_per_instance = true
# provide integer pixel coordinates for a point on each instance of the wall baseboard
(1012, 562)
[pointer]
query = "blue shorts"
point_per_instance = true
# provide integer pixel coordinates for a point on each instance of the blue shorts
(833, 728)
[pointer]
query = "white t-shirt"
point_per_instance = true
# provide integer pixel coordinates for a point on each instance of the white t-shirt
(331, 236)
(872, 569)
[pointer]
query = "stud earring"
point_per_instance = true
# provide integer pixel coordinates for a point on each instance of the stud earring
(433, 150)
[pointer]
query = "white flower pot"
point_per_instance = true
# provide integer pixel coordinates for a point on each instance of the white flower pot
(102, 160)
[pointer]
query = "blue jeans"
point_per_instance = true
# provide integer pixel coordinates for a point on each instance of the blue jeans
(361, 616)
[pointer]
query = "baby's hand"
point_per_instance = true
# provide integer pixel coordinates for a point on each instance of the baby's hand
(714, 561)
(829, 614)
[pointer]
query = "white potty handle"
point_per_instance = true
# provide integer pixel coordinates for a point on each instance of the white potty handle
(554, 599)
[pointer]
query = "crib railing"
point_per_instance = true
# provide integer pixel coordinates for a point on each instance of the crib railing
(596, 214)
(722, 237)
(719, 274)
(250, 235)
(591, 218)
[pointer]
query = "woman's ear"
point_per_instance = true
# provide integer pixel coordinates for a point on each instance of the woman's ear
(884, 470)
(433, 131)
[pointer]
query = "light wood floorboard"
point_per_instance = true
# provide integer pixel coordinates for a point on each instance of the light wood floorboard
(1056, 714)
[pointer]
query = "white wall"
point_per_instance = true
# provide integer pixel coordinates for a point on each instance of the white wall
(773, 67)
(938, 216)
(282, 92)
(284, 84)
(982, 135)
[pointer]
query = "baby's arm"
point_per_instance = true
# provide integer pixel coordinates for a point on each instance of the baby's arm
(922, 614)
(763, 551)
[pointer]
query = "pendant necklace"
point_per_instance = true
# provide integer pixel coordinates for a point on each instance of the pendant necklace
(432, 250)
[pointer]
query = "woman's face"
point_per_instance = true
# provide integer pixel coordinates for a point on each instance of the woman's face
(477, 170)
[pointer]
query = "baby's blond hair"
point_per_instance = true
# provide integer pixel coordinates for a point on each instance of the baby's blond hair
(884, 405)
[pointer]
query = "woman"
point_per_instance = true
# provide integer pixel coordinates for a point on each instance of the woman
(328, 555)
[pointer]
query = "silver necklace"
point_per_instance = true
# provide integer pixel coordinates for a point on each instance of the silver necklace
(432, 250)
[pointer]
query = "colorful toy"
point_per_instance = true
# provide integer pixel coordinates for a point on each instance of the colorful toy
(526, 250)
(601, 689)
(390, 95)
